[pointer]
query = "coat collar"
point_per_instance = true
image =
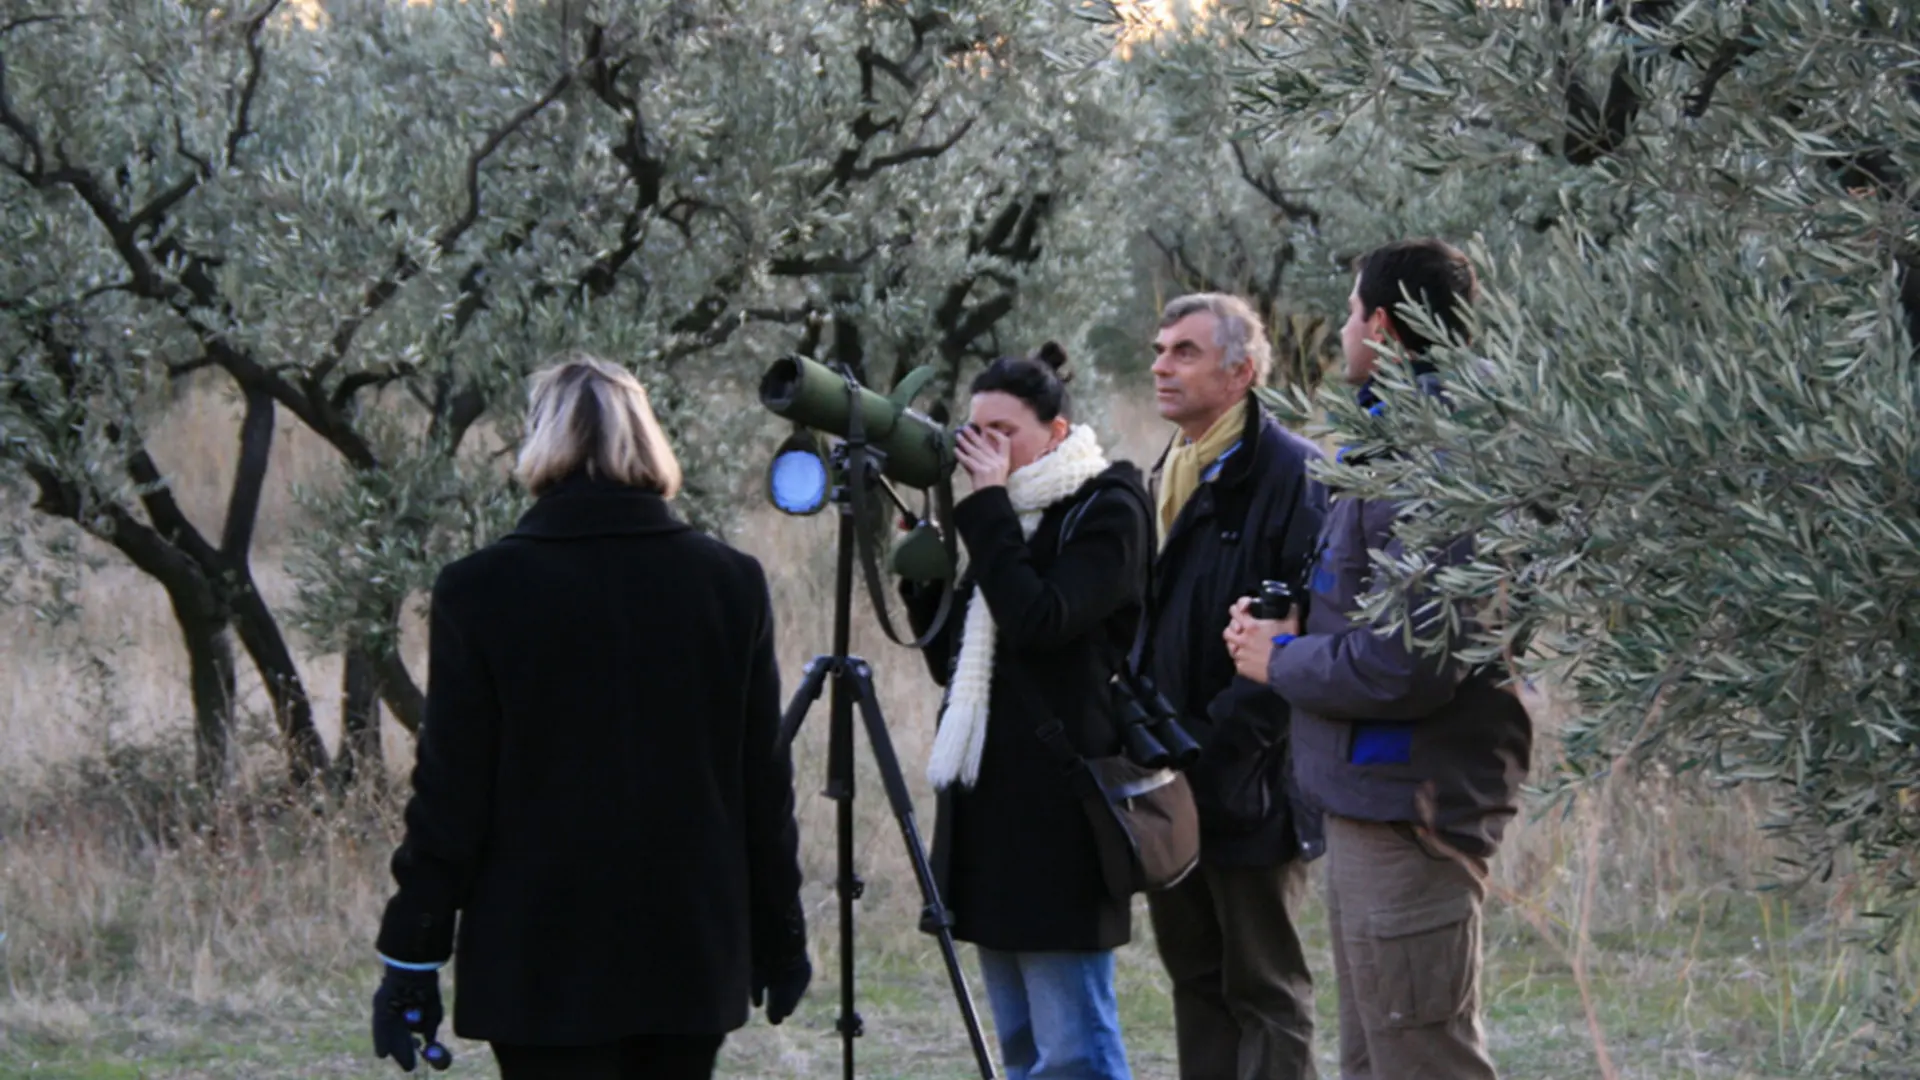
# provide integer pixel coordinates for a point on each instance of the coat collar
(1234, 472)
(1425, 375)
(1426, 378)
(1239, 462)
(579, 507)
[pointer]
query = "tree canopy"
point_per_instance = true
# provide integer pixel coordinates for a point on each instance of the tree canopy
(1688, 432)
(377, 220)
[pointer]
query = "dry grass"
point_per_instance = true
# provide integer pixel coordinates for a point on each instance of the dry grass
(146, 935)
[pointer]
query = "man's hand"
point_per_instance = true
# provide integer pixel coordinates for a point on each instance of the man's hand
(781, 991)
(408, 1004)
(986, 455)
(1250, 640)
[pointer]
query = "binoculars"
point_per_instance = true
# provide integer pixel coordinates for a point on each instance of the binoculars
(1150, 731)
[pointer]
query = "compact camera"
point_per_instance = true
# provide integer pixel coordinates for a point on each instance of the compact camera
(1275, 600)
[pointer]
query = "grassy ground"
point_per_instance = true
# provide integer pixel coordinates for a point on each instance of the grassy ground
(1712, 999)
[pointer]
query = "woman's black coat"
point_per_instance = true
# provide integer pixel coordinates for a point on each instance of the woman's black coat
(599, 792)
(1015, 854)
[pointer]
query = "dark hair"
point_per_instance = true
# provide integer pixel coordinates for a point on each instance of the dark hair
(1039, 380)
(1433, 273)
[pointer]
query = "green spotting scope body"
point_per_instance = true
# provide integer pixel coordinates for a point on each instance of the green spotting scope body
(917, 452)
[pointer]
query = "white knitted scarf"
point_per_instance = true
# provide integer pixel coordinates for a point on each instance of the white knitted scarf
(963, 726)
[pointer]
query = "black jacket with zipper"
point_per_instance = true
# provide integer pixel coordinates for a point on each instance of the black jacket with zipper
(1015, 854)
(1256, 520)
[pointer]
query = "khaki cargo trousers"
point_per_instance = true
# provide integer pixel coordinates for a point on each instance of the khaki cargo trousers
(1404, 913)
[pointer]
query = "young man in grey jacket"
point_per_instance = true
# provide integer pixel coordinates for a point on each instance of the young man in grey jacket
(1416, 760)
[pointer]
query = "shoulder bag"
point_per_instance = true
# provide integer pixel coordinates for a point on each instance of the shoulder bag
(1145, 825)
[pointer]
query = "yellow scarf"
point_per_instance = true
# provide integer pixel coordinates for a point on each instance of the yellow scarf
(1180, 476)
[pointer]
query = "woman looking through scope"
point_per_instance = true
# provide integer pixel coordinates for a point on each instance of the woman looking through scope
(1058, 540)
(600, 792)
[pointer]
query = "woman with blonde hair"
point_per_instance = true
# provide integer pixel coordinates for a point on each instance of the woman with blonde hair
(600, 796)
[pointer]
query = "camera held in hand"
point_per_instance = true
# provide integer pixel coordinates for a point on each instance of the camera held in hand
(1150, 731)
(1276, 600)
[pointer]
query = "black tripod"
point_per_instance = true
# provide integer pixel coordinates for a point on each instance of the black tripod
(853, 685)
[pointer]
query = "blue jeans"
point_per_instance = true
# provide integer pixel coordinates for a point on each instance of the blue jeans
(1056, 1014)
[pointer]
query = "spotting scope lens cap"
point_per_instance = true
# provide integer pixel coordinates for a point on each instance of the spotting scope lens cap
(797, 481)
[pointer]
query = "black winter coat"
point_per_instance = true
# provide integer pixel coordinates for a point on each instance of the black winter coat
(599, 791)
(1015, 855)
(1257, 520)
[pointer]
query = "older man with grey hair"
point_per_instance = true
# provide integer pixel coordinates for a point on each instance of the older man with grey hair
(1235, 508)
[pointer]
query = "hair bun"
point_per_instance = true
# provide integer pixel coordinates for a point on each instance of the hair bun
(1055, 357)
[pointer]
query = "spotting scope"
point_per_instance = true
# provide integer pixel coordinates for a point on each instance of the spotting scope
(915, 451)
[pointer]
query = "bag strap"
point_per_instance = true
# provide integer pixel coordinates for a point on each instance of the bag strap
(1100, 487)
(1053, 735)
(1051, 732)
(1115, 656)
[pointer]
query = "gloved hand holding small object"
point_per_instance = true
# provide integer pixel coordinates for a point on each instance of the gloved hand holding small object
(408, 1004)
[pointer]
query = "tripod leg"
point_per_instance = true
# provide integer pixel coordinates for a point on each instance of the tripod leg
(840, 788)
(804, 695)
(935, 915)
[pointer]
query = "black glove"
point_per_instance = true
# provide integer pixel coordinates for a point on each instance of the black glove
(408, 1003)
(782, 990)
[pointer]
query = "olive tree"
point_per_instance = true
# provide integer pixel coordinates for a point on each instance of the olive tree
(1687, 434)
(373, 219)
